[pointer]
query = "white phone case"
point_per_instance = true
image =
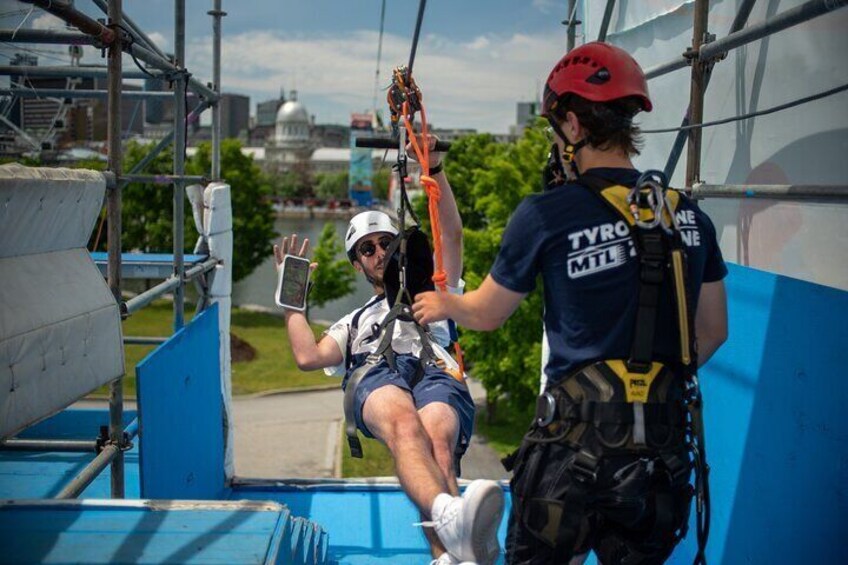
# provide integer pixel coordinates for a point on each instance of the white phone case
(287, 265)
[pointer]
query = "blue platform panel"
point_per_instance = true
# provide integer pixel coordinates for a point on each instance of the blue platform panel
(144, 532)
(145, 265)
(43, 474)
(777, 434)
(181, 414)
(366, 523)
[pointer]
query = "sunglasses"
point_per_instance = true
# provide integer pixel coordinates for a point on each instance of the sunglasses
(368, 248)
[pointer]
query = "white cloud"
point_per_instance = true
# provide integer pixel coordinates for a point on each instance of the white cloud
(480, 42)
(545, 6)
(47, 21)
(465, 84)
(159, 40)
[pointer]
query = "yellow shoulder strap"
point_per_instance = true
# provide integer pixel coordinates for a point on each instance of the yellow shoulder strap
(616, 195)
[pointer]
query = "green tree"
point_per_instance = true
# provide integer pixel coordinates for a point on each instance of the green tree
(331, 185)
(253, 218)
(490, 180)
(380, 183)
(334, 277)
(147, 209)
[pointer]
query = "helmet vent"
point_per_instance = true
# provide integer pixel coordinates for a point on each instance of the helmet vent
(600, 77)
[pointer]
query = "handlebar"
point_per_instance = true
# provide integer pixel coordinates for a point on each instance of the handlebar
(387, 143)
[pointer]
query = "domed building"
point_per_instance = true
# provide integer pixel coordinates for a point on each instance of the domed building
(291, 143)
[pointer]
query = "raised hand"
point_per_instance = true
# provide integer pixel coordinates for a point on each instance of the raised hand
(288, 246)
(435, 156)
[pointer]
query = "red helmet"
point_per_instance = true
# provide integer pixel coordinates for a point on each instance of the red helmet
(599, 72)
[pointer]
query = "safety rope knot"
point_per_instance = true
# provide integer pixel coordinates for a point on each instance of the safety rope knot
(431, 187)
(440, 279)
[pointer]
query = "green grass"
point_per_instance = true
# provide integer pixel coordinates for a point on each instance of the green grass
(505, 433)
(272, 368)
(376, 461)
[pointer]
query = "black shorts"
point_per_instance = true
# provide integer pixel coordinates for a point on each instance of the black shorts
(632, 511)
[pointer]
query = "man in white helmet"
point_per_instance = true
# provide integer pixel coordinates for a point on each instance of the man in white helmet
(425, 420)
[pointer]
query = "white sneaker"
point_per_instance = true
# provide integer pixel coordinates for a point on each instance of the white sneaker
(444, 559)
(468, 526)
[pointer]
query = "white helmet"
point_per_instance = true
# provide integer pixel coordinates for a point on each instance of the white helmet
(363, 224)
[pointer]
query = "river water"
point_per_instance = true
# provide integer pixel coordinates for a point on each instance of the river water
(258, 288)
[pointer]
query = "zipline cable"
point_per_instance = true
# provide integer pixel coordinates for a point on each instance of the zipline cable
(379, 57)
(421, 5)
(750, 115)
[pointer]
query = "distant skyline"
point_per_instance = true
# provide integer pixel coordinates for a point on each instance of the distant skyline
(475, 59)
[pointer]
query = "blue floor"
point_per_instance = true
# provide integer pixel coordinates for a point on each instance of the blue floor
(42, 475)
(367, 523)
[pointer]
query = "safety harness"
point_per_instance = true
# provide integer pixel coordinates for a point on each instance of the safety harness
(637, 405)
(405, 100)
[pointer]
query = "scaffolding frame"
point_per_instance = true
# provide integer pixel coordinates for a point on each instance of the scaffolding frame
(117, 36)
(120, 35)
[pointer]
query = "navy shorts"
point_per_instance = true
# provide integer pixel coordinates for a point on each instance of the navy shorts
(435, 386)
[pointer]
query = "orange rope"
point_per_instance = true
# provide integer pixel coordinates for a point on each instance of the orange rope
(434, 195)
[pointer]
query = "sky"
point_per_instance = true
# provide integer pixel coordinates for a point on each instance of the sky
(475, 59)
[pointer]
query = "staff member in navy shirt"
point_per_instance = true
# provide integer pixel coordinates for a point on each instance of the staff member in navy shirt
(632, 505)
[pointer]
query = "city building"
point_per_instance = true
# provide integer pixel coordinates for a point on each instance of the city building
(235, 116)
(525, 114)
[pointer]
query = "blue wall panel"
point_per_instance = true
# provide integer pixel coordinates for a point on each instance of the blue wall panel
(181, 414)
(777, 434)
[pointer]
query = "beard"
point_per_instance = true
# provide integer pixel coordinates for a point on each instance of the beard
(375, 274)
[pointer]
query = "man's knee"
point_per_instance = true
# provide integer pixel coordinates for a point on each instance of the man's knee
(402, 428)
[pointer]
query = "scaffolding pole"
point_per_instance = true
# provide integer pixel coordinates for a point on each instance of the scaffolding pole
(151, 58)
(137, 34)
(696, 92)
(784, 20)
(742, 15)
(23, 91)
(95, 29)
(602, 33)
(47, 36)
(143, 340)
(179, 163)
(110, 454)
(216, 14)
(65, 445)
(137, 303)
(571, 36)
(65, 11)
(163, 179)
(163, 143)
(806, 192)
(116, 388)
(64, 72)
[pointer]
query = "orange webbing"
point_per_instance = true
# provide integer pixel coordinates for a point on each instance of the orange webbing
(434, 195)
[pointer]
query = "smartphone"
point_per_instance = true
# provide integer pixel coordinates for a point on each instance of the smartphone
(293, 283)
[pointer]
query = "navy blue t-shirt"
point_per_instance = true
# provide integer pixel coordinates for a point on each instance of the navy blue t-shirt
(590, 271)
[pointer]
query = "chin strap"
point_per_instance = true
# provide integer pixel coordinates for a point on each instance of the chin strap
(569, 153)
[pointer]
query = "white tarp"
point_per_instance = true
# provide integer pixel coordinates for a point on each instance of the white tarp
(60, 332)
(803, 145)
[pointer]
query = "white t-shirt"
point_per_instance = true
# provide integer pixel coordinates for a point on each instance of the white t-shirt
(365, 337)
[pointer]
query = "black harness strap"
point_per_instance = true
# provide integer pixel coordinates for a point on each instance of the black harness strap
(652, 252)
(354, 328)
(399, 312)
(652, 249)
